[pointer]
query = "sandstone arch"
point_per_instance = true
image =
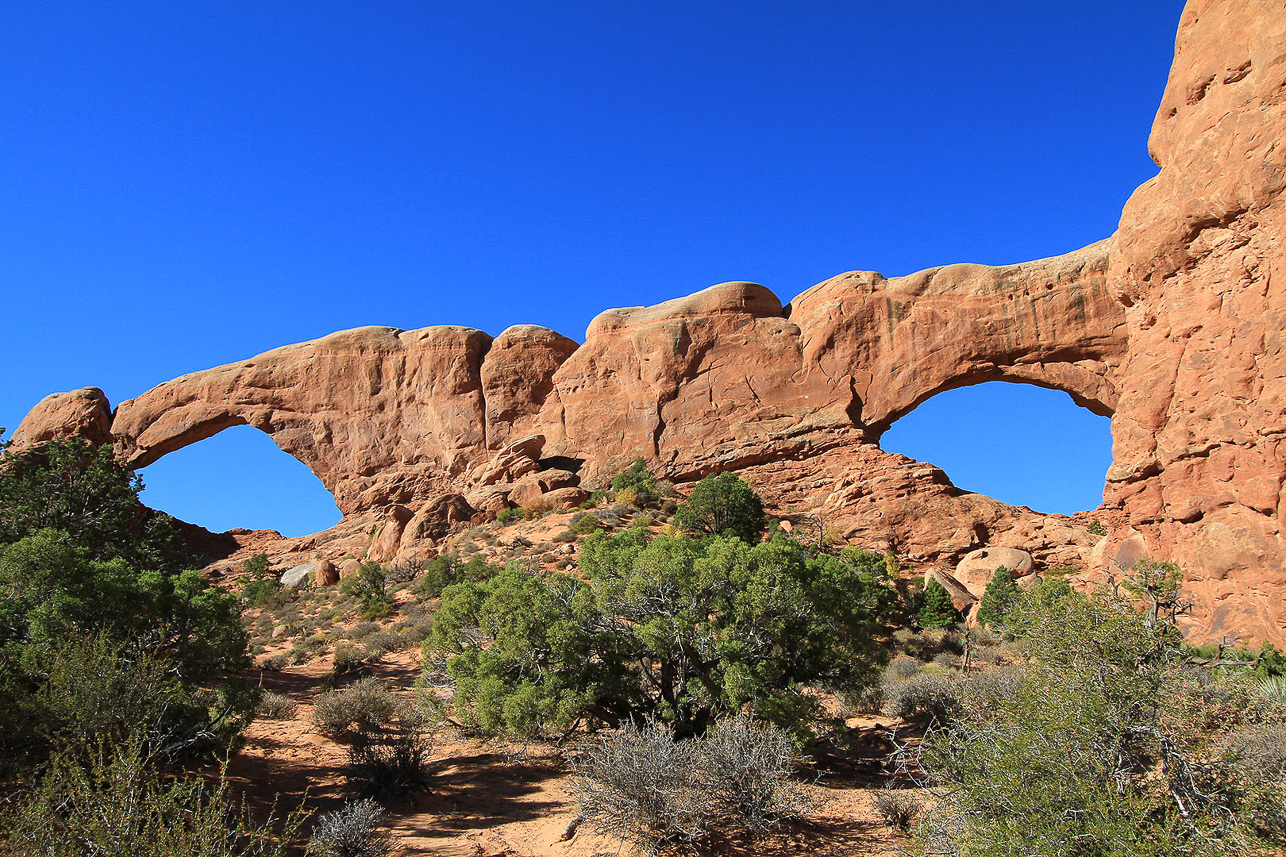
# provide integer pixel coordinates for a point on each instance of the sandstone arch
(1173, 326)
(1052, 322)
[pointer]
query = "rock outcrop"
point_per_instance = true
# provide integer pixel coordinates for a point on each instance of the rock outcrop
(1199, 263)
(1173, 327)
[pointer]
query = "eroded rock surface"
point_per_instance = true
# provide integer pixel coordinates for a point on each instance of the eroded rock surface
(1173, 327)
(1199, 263)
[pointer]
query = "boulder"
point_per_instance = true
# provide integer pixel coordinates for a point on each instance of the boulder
(978, 567)
(298, 576)
(326, 573)
(565, 498)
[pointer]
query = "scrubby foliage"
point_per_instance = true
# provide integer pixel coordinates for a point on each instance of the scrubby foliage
(356, 830)
(936, 609)
(723, 505)
(109, 651)
(670, 627)
(369, 587)
(259, 587)
(997, 599)
(82, 492)
(113, 799)
(641, 785)
(1105, 743)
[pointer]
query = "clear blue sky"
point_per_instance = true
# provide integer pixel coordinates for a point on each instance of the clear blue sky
(183, 185)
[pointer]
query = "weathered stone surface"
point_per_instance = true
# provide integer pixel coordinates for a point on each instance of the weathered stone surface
(565, 498)
(298, 575)
(515, 460)
(380, 415)
(1053, 322)
(326, 573)
(348, 568)
(1173, 327)
(961, 598)
(696, 384)
(386, 541)
(84, 414)
(978, 567)
(1198, 261)
(517, 377)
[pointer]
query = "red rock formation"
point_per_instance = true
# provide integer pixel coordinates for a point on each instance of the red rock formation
(1173, 326)
(85, 414)
(1199, 264)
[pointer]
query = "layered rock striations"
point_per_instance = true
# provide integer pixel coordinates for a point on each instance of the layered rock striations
(1172, 327)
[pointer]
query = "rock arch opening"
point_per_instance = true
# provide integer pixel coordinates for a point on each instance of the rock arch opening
(239, 478)
(1019, 443)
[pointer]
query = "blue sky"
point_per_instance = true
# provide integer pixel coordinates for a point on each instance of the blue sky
(183, 185)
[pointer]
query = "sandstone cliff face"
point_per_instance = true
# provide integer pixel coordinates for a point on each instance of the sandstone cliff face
(1173, 327)
(1198, 262)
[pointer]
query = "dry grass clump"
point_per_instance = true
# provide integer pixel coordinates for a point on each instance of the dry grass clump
(276, 706)
(642, 786)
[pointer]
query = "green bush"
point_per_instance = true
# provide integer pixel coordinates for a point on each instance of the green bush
(84, 493)
(997, 599)
(723, 505)
(511, 515)
(260, 587)
(936, 609)
(1087, 752)
(670, 627)
(368, 586)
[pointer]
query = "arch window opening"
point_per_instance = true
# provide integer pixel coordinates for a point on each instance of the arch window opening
(239, 478)
(1018, 443)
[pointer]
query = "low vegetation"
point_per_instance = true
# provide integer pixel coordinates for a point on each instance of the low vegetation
(686, 655)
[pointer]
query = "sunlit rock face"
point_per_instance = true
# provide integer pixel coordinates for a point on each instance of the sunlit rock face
(1172, 326)
(1199, 263)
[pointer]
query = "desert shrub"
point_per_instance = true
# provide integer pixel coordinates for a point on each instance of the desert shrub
(587, 524)
(567, 536)
(723, 505)
(369, 587)
(1256, 760)
(444, 570)
(277, 662)
(907, 641)
(936, 609)
(260, 587)
(347, 658)
(382, 642)
(902, 667)
(276, 706)
(898, 808)
(111, 799)
(641, 785)
(997, 599)
(389, 763)
(748, 769)
(89, 497)
(354, 831)
(931, 696)
(1078, 756)
(638, 487)
(670, 627)
(510, 515)
(366, 702)
(361, 629)
(636, 785)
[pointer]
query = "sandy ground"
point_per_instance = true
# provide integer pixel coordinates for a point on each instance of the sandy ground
(498, 798)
